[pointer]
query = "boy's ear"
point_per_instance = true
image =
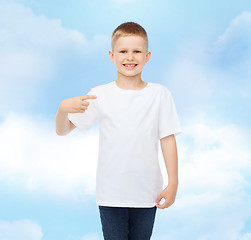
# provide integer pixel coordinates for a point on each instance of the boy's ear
(148, 55)
(111, 56)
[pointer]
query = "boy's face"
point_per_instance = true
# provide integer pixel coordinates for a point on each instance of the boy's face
(130, 50)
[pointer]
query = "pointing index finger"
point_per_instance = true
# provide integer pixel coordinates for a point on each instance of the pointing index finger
(89, 97)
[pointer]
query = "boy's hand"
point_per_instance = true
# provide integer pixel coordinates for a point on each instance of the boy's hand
(75, 104)
(169, 193)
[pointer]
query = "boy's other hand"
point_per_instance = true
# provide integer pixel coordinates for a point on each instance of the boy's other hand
(169, 194)
(75, 104)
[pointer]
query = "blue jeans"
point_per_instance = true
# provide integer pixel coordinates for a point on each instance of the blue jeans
(127, 223)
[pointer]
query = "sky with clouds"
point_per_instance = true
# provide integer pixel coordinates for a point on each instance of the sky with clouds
(53, 50)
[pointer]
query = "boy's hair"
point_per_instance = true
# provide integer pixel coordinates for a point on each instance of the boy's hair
(129, 29)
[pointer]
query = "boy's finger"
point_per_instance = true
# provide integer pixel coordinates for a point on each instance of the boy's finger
(159, 206)
(88, 97)
(164, 205)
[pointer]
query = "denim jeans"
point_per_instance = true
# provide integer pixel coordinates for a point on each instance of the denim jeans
(127, 223)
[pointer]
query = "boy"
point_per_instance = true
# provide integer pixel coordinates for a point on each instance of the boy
(133, 116)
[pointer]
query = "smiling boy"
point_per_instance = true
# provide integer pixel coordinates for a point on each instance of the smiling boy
(130, 55)
(133, 116)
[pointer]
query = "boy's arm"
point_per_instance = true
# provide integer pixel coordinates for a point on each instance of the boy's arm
(169, 151)
(70, 105)
(63, 124)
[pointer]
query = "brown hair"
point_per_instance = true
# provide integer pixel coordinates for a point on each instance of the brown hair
(129, 29)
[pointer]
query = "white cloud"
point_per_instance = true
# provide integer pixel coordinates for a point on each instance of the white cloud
(238, 29)
(34, 51)
(214, 165)
(232, 49)
(213, 200)
(214, 78)
(29, 42)
(34, 158)
(36, 30)
(21, 229)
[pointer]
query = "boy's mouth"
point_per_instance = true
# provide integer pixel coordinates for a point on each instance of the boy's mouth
(130, 66)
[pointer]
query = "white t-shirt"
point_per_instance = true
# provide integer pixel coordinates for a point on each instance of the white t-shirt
(131, 123)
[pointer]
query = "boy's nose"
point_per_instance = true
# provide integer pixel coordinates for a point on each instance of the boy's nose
(129, 56)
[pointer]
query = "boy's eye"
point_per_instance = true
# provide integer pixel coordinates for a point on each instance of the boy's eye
(123, 51)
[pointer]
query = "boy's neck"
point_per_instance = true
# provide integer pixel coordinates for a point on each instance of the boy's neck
(132, 83)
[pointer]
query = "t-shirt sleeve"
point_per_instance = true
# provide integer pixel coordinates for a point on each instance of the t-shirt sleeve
(84, 121)
(168, 119)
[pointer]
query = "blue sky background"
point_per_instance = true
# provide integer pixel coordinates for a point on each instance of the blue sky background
(53, 50)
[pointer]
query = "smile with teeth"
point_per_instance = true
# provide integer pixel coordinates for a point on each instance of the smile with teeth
(130, 66)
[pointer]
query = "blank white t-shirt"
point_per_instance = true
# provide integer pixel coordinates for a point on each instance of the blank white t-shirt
(131, 123)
